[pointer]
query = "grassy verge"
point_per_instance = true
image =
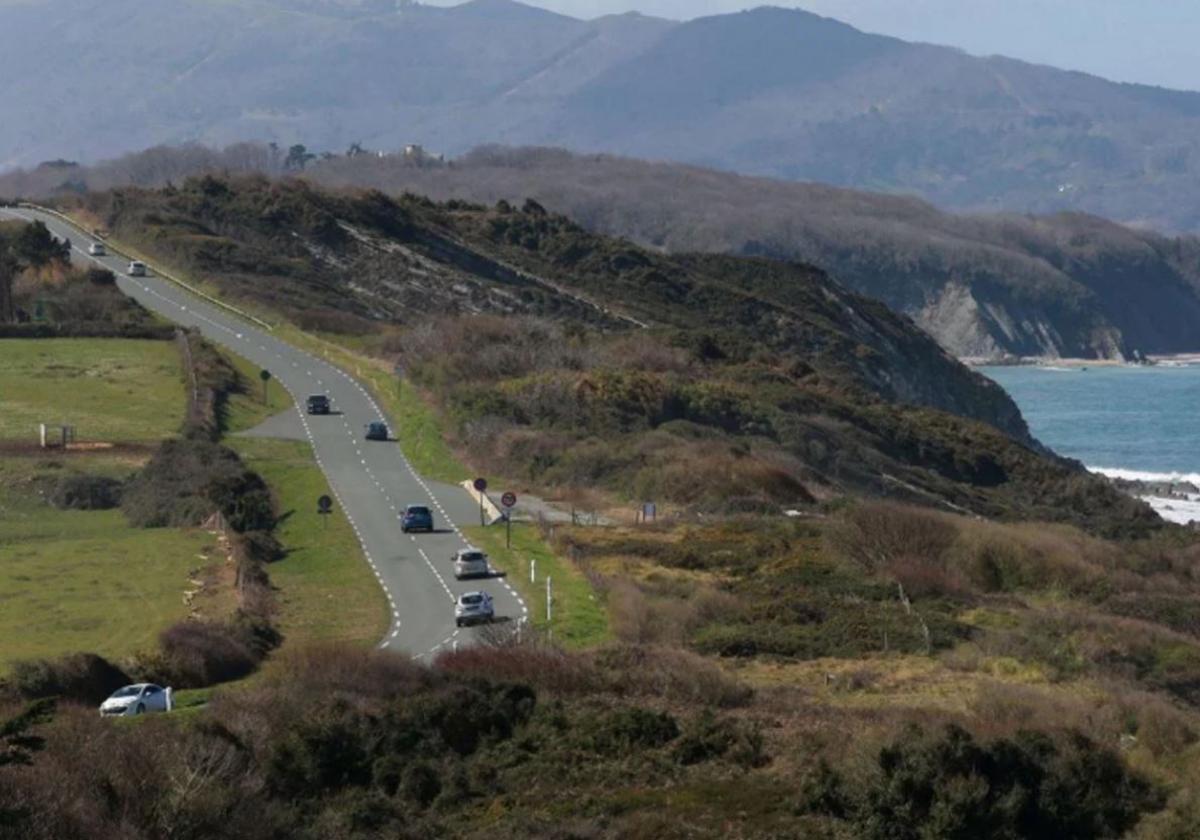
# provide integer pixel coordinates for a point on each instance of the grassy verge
(246, 410)
(325, 588)
(579, 618)
(109, 389)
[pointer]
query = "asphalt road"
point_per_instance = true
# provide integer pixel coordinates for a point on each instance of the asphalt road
(372, 481)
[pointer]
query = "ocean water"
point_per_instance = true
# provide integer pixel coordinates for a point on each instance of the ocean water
(1140, 421)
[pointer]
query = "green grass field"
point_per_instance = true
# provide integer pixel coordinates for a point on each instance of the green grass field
(109, 389)
(325, 588)
(86, 581)
(578, 619)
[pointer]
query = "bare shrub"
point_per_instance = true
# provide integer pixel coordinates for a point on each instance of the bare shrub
(924, 577)
(875, 534)
(532, 663)
(201, 653)
(1008, 558)
(673, 674)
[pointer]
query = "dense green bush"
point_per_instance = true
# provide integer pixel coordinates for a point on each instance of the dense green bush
(710, 737)
(84, 492)
(85, 677)
(1034, 786)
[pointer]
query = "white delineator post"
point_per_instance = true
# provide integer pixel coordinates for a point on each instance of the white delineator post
(549, 600)
(533, 570)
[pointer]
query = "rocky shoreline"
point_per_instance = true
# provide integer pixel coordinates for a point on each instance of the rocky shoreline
(1179, 360)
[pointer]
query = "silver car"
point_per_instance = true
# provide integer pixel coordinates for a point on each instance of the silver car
(137, 268)
(470, 563)
(97, 249)
(138, 700)
(474, 608)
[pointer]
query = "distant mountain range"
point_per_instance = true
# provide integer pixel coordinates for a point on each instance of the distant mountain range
(770, 92)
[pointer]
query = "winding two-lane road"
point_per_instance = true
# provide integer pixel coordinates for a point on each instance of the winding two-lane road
(372, 481)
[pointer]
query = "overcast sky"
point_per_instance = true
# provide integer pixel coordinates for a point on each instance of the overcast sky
(1151, 41)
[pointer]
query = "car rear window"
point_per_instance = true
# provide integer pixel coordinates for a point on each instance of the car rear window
(418, 511)
(471, 556)
(472, 600)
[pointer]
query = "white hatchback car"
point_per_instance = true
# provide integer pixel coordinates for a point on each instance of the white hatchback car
(97, 249)
(138, 700)
(137, 268)
(471, 563)
(474, 608)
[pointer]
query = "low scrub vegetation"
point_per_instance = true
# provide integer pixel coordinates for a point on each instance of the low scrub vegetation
(353, 743)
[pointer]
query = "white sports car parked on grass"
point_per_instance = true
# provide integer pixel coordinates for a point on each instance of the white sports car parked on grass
(137, 700)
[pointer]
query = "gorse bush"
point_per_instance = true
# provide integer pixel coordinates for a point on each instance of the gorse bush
(188, 480)
(84, 492)
(84, 677)
(1033, 786)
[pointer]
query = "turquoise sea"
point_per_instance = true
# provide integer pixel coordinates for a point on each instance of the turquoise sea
(1120, 419)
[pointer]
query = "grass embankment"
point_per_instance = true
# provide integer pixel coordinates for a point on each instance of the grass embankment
(246, 410)
(579, 618)
(84, 579)
(108, 389)
(324, 587)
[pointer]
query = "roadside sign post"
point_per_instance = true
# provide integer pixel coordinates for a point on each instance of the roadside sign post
(481, 488)
(324, 508)
(265, 376)
(509, 500)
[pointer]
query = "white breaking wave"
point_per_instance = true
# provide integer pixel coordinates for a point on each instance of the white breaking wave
(1179, 511)
(1175, 510)
(1157, 477)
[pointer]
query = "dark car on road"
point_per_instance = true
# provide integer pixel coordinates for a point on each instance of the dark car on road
(318, 404)
(378, 431)
(416, 518)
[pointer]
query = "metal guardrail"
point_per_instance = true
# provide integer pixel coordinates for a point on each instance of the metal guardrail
(157, 271)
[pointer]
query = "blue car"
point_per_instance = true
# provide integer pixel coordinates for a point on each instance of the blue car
(416, 518)
(378, 431)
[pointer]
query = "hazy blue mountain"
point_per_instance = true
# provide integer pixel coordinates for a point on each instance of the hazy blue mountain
(770, 91)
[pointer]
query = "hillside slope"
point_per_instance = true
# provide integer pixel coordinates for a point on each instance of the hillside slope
(770, 92)
(986, 286)
(812, 390)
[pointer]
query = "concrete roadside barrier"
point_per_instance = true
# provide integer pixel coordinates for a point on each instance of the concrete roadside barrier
(489, 507)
